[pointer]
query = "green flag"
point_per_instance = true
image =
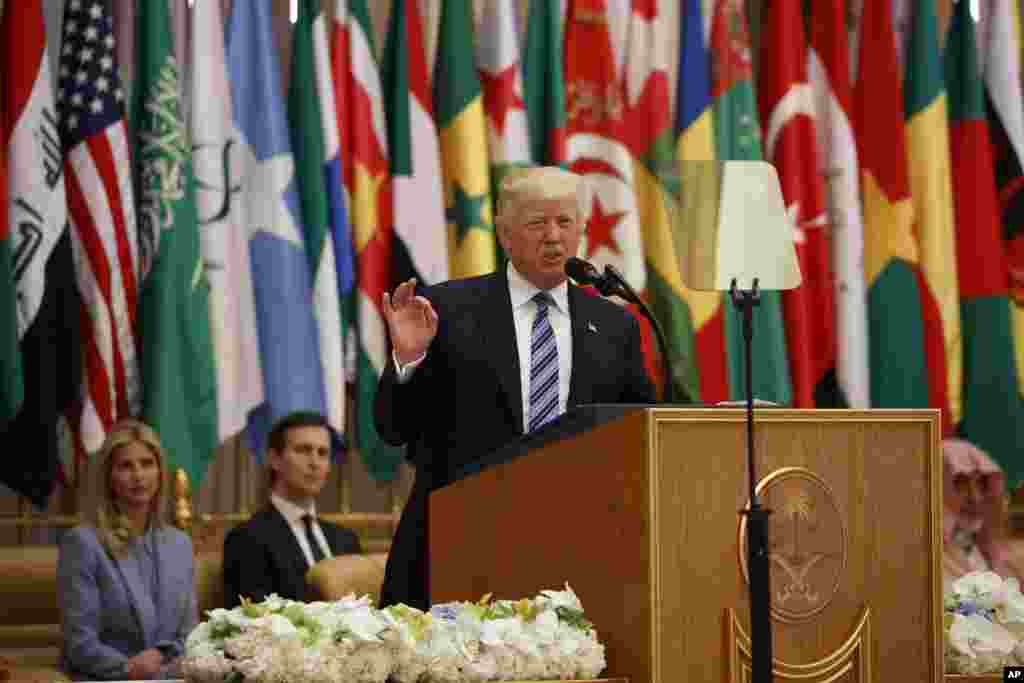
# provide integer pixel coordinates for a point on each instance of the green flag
(544, 83)
(993, 414)
(309, 132)
(737, 137)
(179, 386)
(307, 136)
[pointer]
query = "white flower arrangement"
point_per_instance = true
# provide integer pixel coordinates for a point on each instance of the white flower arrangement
(545, 637)
(983, 624)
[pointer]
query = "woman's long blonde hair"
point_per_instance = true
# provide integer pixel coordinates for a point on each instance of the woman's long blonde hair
(100, 504)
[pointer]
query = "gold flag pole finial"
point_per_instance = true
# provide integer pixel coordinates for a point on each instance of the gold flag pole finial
(182, 501)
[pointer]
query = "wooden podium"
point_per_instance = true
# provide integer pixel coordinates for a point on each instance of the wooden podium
(640, 516)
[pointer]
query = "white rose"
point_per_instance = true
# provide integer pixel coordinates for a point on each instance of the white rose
(985, 589)
(975, 636)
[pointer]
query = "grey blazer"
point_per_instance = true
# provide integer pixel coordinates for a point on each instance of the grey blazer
(108, 613)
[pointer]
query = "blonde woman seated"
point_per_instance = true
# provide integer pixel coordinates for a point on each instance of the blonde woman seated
(125, 577)
(974, 523)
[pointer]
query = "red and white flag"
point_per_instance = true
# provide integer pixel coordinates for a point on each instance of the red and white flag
(368, 180)
(37, 210)
(595, 107)
(786, 105)
(421, 228)
(828, 67)
(497, 58)
(102, 213)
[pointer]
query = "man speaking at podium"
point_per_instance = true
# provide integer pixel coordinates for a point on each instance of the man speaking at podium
(479, 362)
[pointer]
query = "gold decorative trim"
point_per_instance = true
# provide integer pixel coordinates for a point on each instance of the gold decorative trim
(654, 568)
(778, 612)
(768, 415)
(934, 475)
(854, 651)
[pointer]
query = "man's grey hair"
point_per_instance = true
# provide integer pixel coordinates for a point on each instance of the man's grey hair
(534, 183)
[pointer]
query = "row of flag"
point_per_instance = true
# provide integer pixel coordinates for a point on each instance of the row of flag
(196, 269)
(214, 266)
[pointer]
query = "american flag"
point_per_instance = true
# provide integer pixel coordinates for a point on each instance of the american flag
(94, 139)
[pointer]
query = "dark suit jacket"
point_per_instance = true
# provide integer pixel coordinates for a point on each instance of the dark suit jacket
(262, 557)
(108, 613)
(465, 399)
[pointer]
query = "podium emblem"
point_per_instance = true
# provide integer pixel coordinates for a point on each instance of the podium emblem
(807, 541)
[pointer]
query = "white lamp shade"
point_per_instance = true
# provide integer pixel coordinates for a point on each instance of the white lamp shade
(732, 225)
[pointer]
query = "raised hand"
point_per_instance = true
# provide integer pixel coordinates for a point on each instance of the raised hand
(412, 322)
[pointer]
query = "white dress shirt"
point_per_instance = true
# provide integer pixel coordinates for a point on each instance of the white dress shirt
(524, 311)
(293, 514)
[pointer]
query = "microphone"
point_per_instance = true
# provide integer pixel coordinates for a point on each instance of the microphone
(582, 271)
(612, 282)
(585, 273)
(617, 283)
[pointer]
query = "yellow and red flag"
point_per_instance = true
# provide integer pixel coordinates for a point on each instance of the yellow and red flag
(459, 111)
(927, 132)
(368, 181)
(891, 261)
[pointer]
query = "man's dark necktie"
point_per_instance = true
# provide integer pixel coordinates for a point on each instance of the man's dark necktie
(314, 547)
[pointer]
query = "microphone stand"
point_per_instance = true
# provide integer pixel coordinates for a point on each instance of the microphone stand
(622, 288)
(758, 566)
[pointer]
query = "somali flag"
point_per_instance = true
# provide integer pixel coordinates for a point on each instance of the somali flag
(288, 337)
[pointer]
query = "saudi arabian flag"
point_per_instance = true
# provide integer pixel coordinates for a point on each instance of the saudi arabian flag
(178, 373)
(458, 107)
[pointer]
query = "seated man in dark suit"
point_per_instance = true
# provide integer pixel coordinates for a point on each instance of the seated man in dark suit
(272, 551)
(480, 362)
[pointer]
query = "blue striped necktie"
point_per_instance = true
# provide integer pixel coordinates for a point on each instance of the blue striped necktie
(543, 366)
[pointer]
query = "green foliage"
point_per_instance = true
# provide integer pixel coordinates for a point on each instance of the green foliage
(419, 622)
(254, 611)
(309, 627)
(222, 630)
(574, 618)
